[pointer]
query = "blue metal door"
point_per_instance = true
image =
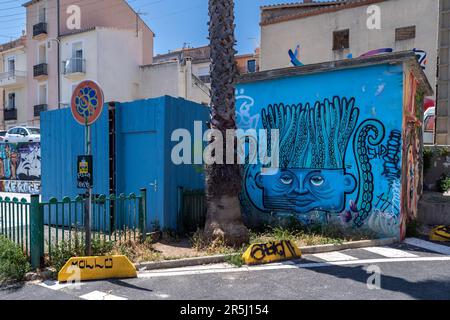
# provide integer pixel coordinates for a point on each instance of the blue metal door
(136, 169)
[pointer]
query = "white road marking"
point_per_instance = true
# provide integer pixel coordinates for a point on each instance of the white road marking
(428, 245)
(55, 285)
(200, 267)
(334, 256)
(390, 252)
(99, 295)
(290, 265)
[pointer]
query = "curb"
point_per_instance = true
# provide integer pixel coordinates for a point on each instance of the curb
(197, 261)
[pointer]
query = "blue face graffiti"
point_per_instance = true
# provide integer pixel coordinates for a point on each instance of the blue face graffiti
(312, 176)
(304, 190)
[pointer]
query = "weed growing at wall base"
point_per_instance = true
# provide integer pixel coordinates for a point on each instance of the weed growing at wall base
(13, 262)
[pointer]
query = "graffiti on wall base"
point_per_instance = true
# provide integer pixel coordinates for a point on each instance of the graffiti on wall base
(17, 186)
(20, 167)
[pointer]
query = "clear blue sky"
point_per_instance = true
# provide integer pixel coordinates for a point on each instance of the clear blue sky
(175, 22)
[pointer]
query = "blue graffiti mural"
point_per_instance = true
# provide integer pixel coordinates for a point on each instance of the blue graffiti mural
(340, 149)
(295, 56)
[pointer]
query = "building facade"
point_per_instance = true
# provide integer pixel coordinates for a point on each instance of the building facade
(94, 55)
(50, 21)
(13, 89)
(443, 90)
(310, 32)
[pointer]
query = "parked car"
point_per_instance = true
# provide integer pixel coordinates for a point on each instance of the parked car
(23, 134)
(429, 121)
(2, 136)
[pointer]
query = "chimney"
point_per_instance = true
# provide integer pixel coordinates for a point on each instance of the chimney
(308, 1)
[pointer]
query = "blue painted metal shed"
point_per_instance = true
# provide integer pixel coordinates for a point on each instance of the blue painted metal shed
(131, 144)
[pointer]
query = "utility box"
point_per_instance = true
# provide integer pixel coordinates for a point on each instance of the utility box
(131, 147)
(350, 150)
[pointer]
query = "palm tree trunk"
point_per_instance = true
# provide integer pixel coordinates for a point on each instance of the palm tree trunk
(223, 181)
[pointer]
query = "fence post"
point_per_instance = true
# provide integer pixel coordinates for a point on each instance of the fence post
(36, 232)
(143, 213)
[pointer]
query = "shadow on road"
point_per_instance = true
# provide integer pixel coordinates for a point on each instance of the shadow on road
(128, 285)
(432, 289)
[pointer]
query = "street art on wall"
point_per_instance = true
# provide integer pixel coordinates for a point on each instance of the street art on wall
(421, 55)
(295, 56)
(340, 149)
(20, 167)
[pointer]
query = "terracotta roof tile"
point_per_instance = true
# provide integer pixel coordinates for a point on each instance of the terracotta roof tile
(274, 14)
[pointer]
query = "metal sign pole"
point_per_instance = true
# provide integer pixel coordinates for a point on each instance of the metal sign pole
(88, 202)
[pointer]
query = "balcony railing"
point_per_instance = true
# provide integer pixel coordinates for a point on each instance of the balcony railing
(10, 114)
(205, 78)
(39, 29)
(40, 70)
(39, 108)
(12, 78)
(74, 65)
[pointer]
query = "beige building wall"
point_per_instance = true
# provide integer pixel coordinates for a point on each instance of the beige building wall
(13, 83)
(114, 68)
(33, 44)
(443, 92)
(174, 79)
(109, 13)
(315, 34)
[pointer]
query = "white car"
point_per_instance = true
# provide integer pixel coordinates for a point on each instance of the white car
(429, 123)
(23, 134)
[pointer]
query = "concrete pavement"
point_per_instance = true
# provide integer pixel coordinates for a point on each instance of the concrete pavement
(416, 269)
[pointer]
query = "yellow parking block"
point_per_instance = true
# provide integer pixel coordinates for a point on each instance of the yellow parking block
(440, 233)
(271, 252)
(97, 268)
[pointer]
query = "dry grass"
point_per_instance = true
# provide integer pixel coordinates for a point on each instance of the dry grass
(317, 235)
(136, 250)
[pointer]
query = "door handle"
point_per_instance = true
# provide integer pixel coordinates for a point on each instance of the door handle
(154, 185)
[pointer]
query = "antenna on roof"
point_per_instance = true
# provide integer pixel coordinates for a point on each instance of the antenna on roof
(138, 14)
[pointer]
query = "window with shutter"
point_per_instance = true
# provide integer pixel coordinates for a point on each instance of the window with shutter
(341, 39)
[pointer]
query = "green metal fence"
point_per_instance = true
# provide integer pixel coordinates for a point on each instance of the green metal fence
(192, 213)
(14, 221)
(41, 226)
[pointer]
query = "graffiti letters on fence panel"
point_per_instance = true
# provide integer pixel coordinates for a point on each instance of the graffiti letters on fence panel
(340, 154)
(440, 233)
(96, 268)
(20, 167)
(271, 252)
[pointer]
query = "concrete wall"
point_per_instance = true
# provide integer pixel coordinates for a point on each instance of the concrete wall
(121, 81)
(348, 149)
(159, 79)
(173, 79)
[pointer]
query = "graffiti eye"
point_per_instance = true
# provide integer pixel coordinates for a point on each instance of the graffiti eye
(317, 181)
(286, 180)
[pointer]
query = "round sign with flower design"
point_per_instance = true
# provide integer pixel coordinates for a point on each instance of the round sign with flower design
(87, 102)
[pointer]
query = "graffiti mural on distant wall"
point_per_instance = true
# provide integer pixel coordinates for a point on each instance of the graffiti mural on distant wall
(340, 149)
(20, 167)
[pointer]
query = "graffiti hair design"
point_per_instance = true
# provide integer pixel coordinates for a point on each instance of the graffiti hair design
(370, 132)
(313, 137)
(313, 144)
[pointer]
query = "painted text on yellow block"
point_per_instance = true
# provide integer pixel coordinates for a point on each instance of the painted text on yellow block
(271, 252)
(96, 268)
